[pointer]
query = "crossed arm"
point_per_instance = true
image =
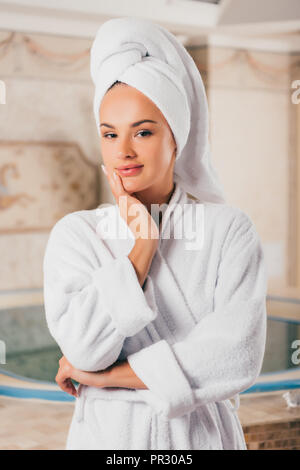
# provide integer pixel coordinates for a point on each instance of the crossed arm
(119, 374)
(220, 357)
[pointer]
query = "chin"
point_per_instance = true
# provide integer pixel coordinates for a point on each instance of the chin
(132, 186)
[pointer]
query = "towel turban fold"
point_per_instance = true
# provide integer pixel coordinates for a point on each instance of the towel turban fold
(149, 58)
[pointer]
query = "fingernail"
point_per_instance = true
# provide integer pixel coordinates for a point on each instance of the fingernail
(104, 169)
(115, 175)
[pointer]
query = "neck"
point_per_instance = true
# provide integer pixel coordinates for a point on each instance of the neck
(166, 202)
(163, 197)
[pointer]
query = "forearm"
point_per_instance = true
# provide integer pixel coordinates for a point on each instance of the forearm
(121, 375)
(141, 257)
(118, 375)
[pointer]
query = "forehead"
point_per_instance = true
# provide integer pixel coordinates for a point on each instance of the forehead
(125, 100)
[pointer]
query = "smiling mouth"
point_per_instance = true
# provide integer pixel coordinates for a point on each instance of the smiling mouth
(130, 167)
(132, 171)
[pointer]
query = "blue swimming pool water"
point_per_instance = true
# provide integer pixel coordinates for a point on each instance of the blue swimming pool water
(31, 351)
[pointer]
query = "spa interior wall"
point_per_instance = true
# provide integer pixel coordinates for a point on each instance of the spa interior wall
(50, 153)
(255, 129)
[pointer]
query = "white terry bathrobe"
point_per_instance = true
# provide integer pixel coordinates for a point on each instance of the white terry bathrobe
(194, 334)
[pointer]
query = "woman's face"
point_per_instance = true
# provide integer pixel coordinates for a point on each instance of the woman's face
(125, 140)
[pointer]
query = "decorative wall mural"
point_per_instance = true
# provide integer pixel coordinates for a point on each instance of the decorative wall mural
(7, 171)
(40, 182)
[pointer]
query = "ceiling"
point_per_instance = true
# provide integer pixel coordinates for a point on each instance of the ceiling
(267, 24)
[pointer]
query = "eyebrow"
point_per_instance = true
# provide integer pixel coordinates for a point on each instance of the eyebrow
(135, 124)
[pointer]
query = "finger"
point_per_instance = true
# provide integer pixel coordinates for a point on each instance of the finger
(111, 181)
(65, 383)
(104, 169)
(72, 388)
(119, 184)
(68, 387)
(116, 185)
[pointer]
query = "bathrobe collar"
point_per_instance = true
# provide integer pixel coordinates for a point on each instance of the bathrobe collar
(179, 197)
(175, 198)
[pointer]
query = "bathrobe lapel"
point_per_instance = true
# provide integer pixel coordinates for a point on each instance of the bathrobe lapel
(161, 281)
(161, 285)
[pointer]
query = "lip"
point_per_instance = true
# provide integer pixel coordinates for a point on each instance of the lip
(124, 167)
(131, 171)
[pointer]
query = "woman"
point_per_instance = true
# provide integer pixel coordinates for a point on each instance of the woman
(163, 326)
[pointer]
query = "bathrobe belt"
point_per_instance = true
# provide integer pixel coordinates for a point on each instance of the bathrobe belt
(160, 429)
(236, 402)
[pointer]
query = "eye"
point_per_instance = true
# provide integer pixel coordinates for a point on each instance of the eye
(147, 132)
(105, 135)
(140, 132)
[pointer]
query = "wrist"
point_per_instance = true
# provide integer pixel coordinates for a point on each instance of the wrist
(147, 245)
(119, 375)
(105, 378)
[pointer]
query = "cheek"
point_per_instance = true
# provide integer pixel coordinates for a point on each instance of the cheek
(104, 146)
(161, 153)
(157, 165)
(107, 154)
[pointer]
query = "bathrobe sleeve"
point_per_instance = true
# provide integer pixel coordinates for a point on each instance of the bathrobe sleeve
(90, 308)
(222, 355)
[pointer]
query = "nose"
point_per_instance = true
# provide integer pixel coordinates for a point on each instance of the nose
(125, 150)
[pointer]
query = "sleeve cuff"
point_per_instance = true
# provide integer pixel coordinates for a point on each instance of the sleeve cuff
(123, 297)
(158, 368)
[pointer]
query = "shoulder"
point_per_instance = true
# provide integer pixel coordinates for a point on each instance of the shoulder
(236, 228)
(223, 215)
(75, 238)
(229, 225)
(83, 221)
